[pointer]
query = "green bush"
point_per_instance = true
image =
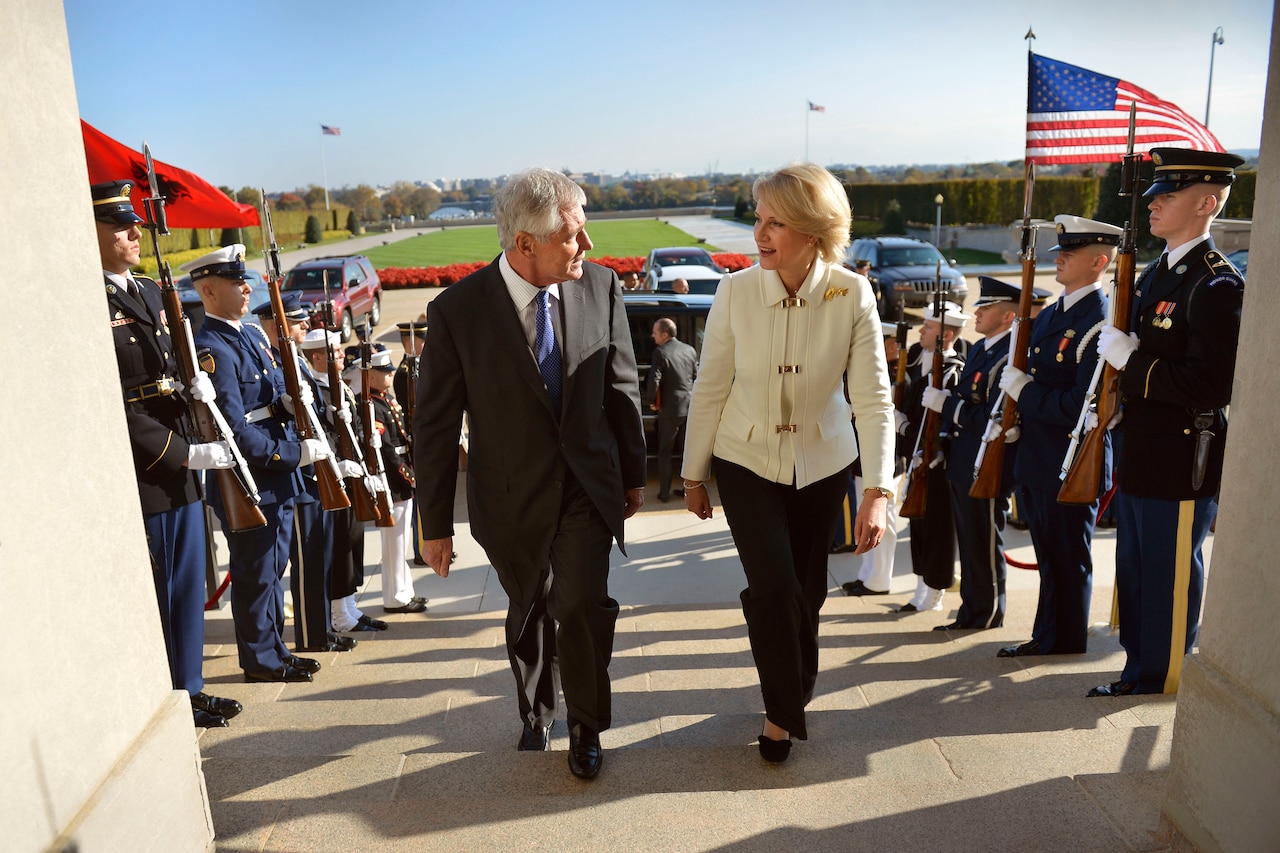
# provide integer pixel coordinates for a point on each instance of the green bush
(313, 233)
(353, 224)
(893, 223)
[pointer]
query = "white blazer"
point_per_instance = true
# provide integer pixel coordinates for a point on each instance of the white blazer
(754, 343)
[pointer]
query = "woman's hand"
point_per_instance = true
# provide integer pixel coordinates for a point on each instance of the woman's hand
(696, 499)
(868, 527)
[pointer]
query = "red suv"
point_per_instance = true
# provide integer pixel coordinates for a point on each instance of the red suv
(353, 286)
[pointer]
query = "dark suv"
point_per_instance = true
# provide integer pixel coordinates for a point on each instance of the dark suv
(353, 286)
(688, 311)
(904, 272)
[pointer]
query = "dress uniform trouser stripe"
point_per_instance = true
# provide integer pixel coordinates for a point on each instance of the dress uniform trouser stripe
(1181, 582)
(299, 577)
(992, 556)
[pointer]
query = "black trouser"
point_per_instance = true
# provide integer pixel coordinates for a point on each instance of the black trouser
(933, 536)
(670, 436)
(980, 535)
(310, 553)
(346, 572)
(1062, 536)
(560, 621)
(782, 534)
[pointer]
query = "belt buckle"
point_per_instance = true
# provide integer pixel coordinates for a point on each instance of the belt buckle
(165, 386)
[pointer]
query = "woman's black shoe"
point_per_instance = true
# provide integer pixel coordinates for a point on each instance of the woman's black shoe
(774, 750)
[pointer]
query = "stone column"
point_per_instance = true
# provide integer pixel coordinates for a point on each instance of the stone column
(1225, 761)
(98, 751)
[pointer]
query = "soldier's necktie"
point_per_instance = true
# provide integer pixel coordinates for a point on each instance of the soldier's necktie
(547, 351)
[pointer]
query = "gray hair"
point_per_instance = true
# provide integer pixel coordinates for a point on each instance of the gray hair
(533, 201)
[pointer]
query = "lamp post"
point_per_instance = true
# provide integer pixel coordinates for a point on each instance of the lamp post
(937, 228)
(1215, 40)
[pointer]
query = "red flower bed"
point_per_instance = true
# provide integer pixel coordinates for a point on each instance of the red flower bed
(394, 278)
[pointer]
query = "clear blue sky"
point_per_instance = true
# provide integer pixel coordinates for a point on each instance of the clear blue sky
(236, 90)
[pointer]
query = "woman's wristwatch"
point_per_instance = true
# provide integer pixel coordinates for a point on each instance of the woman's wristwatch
(888, 493)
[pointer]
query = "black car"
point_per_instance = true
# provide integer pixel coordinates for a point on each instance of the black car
(688, 311)
(904, 272)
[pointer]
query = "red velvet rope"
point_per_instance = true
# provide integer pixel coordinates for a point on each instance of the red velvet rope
(212, 604)
(1102, 507)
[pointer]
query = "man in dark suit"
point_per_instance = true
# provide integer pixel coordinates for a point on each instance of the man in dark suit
(1050, 395)
(166, 456)
(1177, 368)
(672, 369)
(536, 350)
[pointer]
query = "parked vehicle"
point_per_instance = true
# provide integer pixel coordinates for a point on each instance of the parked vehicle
(1240, 259)
(194, 308)
(688, 311)
(694, 265)
(904, 272)
(353, 285)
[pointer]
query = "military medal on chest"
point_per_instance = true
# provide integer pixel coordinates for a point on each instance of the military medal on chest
(1064, 343)
(1163, 310)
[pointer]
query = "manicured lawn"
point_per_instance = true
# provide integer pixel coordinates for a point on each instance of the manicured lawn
(615, 237)
(975, 257)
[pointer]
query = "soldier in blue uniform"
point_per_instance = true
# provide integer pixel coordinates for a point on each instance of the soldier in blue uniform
(250, 388)
(1050, 396)
(311, 546)
(1176, 374)
(165, 453)
(965, 413)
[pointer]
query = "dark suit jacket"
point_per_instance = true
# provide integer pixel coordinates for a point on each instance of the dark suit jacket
(477, 359)
(673, 368)
(158, 427)
(1183, 366)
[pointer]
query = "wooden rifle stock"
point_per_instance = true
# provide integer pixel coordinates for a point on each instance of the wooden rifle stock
(372, 455)
(987, 480)
(365, 502)
(1081, 485)
(900, 369)
(916, 500)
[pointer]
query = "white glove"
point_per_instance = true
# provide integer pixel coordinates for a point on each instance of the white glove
(375, 484)
(213, 454)
(350, 468)
(1012, 381)
(1116, 347)
(313, 450)
(375, 439)
(1091, 421)
(342, 413)
(304, 392)
(201, 388)
(1014, 433)
(934, 398)
(900, 422)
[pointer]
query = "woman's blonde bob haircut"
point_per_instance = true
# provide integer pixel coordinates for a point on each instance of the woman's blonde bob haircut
(809, 199)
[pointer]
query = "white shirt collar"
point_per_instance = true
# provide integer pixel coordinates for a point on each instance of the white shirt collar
(522, 292)
(1068, 302)
(1177, 253)
(235, 324)
(988, 343)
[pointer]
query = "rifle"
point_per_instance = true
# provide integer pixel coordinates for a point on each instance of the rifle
(371, 453)
(332, 493)
(900, 369)
(1082, 470)
(988, 466)
(365, 501)
(240, 496)
(917, 498)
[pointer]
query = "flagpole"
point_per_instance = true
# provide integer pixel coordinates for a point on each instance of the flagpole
(808, 108)
(324, 169)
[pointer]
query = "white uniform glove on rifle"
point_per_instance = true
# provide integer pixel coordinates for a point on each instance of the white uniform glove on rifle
(213, 454)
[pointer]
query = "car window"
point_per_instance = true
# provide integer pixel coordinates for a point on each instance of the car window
(311, 278)
(910, 256)
(355, 275)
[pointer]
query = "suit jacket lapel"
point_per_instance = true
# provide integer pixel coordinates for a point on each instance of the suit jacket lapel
(120, 300)
(509, 333)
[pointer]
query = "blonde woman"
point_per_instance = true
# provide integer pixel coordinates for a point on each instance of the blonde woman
(771, 418)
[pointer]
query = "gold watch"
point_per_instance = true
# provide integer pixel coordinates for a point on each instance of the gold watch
(888, 494)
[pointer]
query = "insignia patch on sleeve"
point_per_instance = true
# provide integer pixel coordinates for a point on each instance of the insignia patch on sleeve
(1230, 280)
(206, 361)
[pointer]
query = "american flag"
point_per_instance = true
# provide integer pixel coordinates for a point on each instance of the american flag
(326, 130)
(815, 108)
(1079, 116)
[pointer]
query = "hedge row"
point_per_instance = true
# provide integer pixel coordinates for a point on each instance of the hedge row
(394, 278)
(990, 201)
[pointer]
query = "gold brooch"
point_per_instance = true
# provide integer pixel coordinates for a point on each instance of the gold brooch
(833, 292)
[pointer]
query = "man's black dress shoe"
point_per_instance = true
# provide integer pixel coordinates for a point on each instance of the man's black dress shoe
(360, 626)
(414, 606)
(954, 626)
(284, 673)
(368, 623)
(205, 720)
(859, 588)
(534, 739)
(774, 750)
(216, 705)
(421, 599)
(908, 608)
(1030, 647)
(585, 755)
(305, 664)
(1115, 688)
(331, 644)
(344, 644)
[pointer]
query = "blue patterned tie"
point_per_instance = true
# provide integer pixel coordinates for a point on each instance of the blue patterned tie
(546, 350)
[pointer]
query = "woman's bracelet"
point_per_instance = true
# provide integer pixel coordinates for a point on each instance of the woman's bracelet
(690, 486)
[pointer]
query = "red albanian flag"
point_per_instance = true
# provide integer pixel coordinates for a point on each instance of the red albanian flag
(189, 200)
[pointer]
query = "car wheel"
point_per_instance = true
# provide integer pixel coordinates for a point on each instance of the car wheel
(347, 326)
(375, 313)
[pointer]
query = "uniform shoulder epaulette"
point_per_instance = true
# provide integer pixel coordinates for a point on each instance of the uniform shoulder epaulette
(1221, 270)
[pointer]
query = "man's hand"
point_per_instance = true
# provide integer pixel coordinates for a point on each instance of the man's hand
(342, 413)
(313, 450)
(200, 389)
(439, 554)
(1012, 381)
(350, 468)
(633, 499)
(1116, 347)
(210, 455)
(934, 398)
(900, 422)
(304, 393)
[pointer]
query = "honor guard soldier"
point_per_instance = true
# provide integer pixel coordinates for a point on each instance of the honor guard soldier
(413, 335)
(1176, 369)
(1050, 395)
(397, 461)
(311, 545)
(250, 386)
(165, 455)
(933, 536)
